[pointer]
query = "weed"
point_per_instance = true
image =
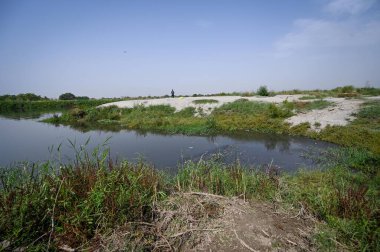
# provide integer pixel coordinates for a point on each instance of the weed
(205, 101)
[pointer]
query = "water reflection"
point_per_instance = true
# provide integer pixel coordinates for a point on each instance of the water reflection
(26, 139)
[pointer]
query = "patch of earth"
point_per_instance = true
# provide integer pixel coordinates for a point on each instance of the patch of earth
(206, 222)
(340, 113)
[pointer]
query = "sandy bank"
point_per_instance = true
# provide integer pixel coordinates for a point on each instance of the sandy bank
(340, 113)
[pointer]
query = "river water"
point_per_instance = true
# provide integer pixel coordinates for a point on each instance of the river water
(27, 139)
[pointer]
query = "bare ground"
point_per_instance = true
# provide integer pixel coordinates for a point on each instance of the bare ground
(206, 222)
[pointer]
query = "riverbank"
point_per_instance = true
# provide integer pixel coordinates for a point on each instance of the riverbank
(339, 112)
(339, 120)
(16, 106)
(96, 204)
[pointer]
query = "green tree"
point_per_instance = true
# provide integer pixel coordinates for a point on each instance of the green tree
(67, 96)
(263, 91)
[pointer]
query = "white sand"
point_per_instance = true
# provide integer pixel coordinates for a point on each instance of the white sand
(184, 102)
(340, 113)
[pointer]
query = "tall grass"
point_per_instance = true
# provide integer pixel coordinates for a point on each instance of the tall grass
(44, 206)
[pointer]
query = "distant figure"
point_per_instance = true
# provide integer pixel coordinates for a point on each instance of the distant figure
(172, 93)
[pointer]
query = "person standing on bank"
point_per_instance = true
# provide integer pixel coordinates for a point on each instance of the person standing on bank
(172, 93)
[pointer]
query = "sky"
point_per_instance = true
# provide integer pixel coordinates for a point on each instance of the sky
(113, 48)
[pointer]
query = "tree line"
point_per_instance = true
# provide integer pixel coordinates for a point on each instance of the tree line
(34, 97)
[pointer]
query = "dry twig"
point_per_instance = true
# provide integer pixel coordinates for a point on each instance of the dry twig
(243, 243)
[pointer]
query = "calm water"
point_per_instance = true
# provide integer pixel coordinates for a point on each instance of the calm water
(30, 140)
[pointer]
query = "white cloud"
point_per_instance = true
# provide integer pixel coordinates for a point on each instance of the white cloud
(311, 33)
(352, 7)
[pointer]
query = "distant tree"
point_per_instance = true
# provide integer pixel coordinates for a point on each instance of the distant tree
(67, 96)
(348, 89)
(82, 98)
(29, 97)
(21, 97)
(262, 91)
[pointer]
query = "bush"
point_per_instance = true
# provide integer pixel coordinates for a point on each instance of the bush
(67, 96)
(263, 91)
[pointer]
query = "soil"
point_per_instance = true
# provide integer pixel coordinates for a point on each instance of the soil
(206, 222)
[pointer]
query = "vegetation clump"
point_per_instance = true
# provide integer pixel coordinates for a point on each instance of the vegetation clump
(363, 132)
(205, 101)
(262, 91)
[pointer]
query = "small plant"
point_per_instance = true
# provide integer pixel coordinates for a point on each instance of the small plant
(263, 91)
(317, 124)
(308, 97)
(205, 101)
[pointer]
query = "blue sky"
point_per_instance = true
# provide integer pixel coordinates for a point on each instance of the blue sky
(115, 48)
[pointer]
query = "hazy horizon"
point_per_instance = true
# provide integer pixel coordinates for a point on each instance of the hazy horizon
(140, 48)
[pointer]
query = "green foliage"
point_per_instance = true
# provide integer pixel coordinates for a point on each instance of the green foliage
(363, 132)
(67, 96)
(371, 111)
(313, 105)
(262, 91)
(346, 200)
(217, 178)
(82, 199)
(22, 97)
(205, 101)
(371, 91)
(92, 196)
(345, 89)
(46, 105)
(243, 106)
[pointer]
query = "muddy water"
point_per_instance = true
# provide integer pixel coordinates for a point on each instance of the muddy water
(26, 139)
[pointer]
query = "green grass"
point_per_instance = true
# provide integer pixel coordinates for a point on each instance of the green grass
(344, 91)
(363, 132)
(47, 205)
(205, 101)
(93, 196)
(239, 115)
(313, 105)
(313, 96)
(43, 105)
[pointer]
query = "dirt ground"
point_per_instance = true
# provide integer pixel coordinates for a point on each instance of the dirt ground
(206, 222)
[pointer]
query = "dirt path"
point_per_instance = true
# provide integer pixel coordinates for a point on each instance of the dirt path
(340, 113)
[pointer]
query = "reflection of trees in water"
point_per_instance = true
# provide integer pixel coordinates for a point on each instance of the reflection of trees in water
(283, 143)
(211, 139)
(270, 144)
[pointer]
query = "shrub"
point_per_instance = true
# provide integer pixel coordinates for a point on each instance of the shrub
(205, 101)
(67, 96)
(263, 91)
